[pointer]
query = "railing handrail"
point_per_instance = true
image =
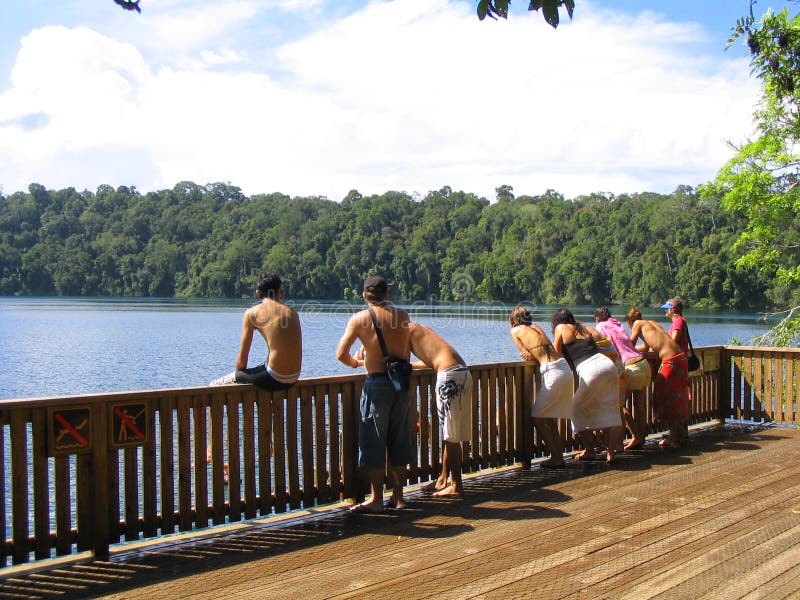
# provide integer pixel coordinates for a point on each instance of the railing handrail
(289, 449)
(11, 403)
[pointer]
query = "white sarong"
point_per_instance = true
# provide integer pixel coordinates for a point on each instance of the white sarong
(454, 403)
(595, 404)
(553, 399)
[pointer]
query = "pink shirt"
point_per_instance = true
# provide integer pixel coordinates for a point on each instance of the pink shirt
(679, 324)
(614, 331)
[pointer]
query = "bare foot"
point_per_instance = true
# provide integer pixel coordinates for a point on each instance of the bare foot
(434, 486)
(367, 507)
(633, 443)
(395, 502)
(585, 455)
(609, 456)
(450, 491)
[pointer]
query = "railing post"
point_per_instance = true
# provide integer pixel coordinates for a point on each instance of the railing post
(724, 397)
(350, 476)
(100, 451)
(525, 403)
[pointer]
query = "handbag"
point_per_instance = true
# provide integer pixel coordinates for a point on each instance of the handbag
(398, 369)
(693, 359)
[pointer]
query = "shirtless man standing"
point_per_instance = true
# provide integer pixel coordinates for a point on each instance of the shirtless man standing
(279, 325)
(453, 401)
(672, 380)
(384, 423)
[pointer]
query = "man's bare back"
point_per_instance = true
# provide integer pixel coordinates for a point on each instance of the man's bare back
(279, 325)
(431, 349)
(394, 327)
(654, 336)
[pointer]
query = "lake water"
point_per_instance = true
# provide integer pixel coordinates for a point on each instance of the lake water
(63, 346)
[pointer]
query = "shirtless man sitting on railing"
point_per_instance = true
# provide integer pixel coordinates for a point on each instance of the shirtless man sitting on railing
(279, 325)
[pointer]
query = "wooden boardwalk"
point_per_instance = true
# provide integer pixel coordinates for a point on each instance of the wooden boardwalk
(716, 520)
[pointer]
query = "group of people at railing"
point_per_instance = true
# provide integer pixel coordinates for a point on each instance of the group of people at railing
(610, 370)
(612, 374)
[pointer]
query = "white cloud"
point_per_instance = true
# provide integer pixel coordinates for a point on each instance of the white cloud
(299, 5)
(400, 95)
(194, 25)
(225, 56)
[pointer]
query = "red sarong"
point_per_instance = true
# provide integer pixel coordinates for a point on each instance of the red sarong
(672, 389)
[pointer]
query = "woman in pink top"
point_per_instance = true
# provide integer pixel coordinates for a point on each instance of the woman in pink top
(679, 331)
(637, 375)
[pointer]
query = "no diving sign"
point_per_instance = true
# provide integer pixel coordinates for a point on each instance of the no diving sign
(69, 430)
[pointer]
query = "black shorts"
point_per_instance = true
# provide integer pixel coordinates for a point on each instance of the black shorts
(259, 377)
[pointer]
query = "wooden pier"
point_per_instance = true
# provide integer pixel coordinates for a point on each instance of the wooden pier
(720, 519)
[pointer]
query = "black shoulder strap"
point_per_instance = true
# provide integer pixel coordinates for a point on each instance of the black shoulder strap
(688, 337)
(378, 332)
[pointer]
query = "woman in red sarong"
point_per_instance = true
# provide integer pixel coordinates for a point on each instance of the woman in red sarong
(672, 397)
(679, 331)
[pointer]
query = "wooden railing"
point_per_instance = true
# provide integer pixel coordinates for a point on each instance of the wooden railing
(87, 472)
(762, 384)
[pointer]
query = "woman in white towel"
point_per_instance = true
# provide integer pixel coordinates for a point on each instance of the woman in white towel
(595, 404)
(554, 387)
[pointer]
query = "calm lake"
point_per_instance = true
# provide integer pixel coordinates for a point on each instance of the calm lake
(64, 346)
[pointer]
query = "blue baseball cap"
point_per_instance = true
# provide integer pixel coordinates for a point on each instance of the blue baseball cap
(672, 303)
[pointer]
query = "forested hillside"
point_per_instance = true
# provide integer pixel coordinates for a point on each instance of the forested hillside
(212, 241)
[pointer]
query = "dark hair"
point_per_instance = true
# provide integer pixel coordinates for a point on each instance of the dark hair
(677, 305)
(520, 316)
(376, 289)
(602, 314)
(564, 316)
(268, 285)
(634, 314)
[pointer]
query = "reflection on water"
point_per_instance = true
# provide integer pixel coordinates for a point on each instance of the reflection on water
(61, 346)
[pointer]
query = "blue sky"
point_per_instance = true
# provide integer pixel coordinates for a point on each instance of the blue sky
(318, 97)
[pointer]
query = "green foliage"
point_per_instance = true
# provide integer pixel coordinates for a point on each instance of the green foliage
(785, 333)
(212, 241)
(549, 8)
(760, 183)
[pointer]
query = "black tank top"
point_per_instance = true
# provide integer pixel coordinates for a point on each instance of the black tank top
(579, 349)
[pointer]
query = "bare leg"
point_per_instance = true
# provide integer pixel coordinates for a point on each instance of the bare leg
(638, 422)
(398, 479)
(586, 437)
(453, 451)
(615, 438)
(440, 482)
(374, 503)
(675, 437)
(548, 430)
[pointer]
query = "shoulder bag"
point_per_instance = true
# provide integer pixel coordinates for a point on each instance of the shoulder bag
(398, 369)
(693, 359)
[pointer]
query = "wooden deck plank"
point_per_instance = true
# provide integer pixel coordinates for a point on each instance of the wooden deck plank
(715, 519)
(769, 569)
(587, 559)
(783, 585)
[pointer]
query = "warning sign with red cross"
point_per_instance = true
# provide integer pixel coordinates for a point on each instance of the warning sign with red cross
(129, 424)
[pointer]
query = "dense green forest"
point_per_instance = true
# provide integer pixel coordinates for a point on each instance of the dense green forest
(212, 241)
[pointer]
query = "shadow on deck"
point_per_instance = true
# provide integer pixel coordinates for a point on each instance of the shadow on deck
(718, 519)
